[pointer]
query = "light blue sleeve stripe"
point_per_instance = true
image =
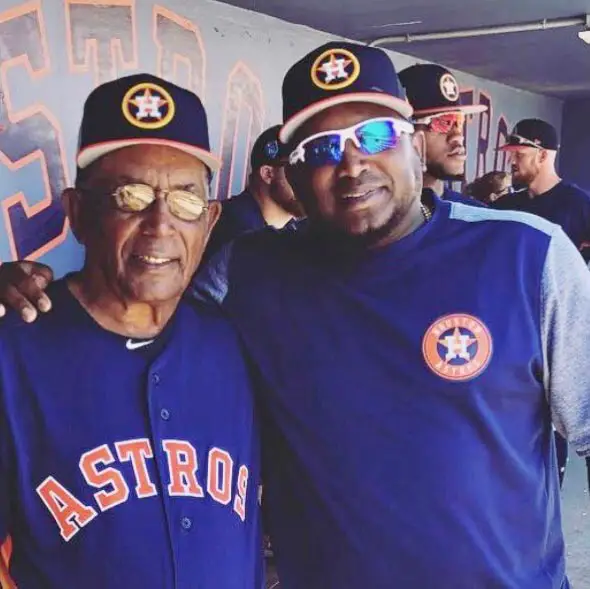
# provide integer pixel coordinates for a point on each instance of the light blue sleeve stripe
(461, 212)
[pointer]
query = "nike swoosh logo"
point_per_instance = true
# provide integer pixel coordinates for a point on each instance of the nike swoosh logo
(131, 345)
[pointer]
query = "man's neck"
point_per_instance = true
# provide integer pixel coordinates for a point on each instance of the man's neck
(543, 183)
(113, 313)
(435, 184)
(411, 222)
(273, 214)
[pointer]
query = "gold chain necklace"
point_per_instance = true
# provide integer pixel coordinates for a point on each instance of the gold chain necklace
(426, 212)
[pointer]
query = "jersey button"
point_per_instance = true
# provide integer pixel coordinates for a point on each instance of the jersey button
(156, 378)
(165, 414)
(186, 523)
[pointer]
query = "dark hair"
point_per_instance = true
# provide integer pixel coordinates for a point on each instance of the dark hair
(481, 188)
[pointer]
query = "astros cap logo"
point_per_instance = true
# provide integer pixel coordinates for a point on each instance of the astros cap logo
(449, 87)
(271, 149)
(457, 347)
(335, 69)
(148, 106)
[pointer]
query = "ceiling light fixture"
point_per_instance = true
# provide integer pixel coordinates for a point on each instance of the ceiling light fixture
(543, 25)
(585, 34)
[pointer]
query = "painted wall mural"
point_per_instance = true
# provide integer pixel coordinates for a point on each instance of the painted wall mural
(53, 52)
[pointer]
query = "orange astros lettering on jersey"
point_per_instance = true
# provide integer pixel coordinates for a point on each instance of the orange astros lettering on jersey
(119, 492)
(70, 514)
(219, 479)
(240, 500)
(6, 581)
(457, 347)
(182, 466)
(137, 451)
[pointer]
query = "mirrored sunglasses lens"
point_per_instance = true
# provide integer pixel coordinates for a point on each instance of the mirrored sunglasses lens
(134, 197)
(441, 125)
(377, 136)
(323, 151)
(186, 205)
(445, 123)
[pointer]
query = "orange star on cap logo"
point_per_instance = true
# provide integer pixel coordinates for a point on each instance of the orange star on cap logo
(148, 106)
(335, 69)
(457, 347)
(449, 87)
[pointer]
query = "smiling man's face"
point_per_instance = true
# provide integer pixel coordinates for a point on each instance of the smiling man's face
(144, 255)
(363, 195)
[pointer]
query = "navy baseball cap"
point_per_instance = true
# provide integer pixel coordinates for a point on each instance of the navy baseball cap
(532, 133)
(433, 89)
(268, 150)
(336, 73)
(143, 109)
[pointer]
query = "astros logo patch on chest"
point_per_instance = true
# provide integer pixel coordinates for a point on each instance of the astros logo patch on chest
(457, 347)
(335, 69)
(148, 106)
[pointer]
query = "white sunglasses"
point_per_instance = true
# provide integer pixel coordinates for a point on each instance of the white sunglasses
(371, 136)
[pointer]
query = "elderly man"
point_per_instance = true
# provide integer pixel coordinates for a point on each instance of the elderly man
(127, 457)
(413, 357)
(440, 114)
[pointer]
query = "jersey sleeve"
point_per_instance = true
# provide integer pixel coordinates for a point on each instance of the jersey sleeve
(5, 476)
(565, 333)
(210, 283)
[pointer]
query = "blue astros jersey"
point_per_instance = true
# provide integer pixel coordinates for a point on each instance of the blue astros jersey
(127, 464)
(428, 198)
(454, 196)
(240, 214)
(410, 395)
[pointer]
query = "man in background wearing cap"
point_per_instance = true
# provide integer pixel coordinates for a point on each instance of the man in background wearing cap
(268, 200)
(127, 457)
(413, 357)
(533, 146)
(435, 96)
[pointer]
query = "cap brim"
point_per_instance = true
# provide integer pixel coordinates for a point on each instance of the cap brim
(468, 109)
(398, 105)
(517, 146)
(510, 147)
(91, 153)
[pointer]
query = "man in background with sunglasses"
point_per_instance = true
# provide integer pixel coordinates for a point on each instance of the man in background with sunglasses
(411, 358)
(128, 458)
(439, 113)
(268, 200)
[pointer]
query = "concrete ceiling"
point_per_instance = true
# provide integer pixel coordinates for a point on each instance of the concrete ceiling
(553, 62)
